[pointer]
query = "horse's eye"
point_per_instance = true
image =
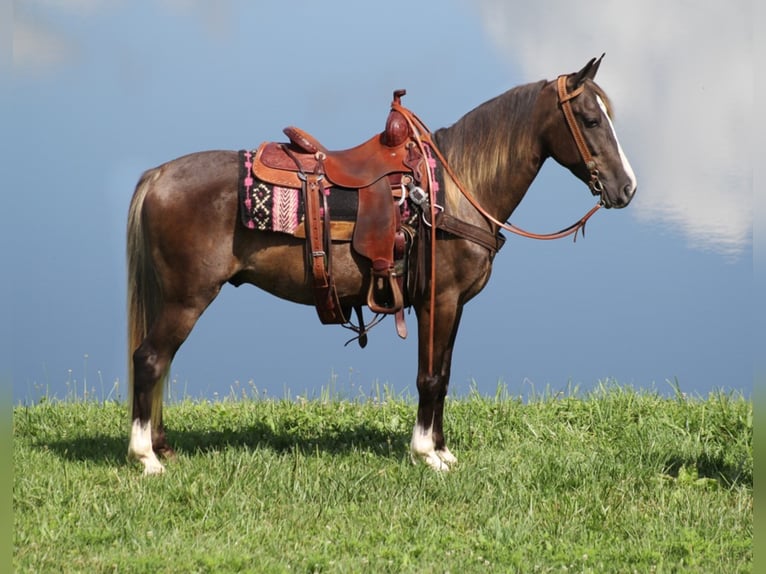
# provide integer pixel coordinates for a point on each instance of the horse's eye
(591, 123)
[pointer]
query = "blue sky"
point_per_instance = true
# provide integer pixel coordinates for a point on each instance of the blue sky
(99, 91)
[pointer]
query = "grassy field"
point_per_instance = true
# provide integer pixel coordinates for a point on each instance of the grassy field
(611, 481)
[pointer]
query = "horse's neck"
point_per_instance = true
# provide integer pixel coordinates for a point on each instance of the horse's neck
(495, 163)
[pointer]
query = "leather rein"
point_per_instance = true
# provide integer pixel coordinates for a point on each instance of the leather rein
(423, 135)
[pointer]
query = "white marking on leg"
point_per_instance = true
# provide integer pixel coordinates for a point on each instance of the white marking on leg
(625, 163)
(422, 448)
(140, 447)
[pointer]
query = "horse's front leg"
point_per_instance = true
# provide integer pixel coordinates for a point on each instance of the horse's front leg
(434, 361)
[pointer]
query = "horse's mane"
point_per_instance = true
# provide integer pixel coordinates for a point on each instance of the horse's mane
(492, 137)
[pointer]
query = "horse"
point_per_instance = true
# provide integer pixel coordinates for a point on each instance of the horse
(185, 241)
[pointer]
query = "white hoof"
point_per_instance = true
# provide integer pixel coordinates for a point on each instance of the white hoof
(151, 463)
(422, 449)
(431, 460)
(153, 467)
(140, 449)
(446, 456)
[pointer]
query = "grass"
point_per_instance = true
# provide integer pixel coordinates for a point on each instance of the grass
(616, 480)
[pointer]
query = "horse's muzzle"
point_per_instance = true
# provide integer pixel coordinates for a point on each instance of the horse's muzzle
(617, 201)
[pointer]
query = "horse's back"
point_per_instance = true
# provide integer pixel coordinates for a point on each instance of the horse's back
(194, 191)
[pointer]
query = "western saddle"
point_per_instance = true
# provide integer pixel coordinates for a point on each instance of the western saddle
(386, 163)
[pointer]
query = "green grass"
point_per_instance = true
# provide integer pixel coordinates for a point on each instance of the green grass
(616, 480)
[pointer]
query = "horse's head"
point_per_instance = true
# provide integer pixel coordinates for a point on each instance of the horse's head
(580, 136)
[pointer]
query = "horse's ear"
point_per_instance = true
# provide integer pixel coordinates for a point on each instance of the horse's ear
(588, 72)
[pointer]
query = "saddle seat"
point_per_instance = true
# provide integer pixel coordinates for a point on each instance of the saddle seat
(353, 168)
(371, 168)
(389, 152)
(360, 166)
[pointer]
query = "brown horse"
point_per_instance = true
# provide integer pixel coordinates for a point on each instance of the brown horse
(185, 241)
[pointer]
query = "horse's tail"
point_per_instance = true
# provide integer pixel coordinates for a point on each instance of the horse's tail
(144, 290)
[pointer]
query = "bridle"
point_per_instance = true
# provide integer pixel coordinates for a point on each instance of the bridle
(565, 101)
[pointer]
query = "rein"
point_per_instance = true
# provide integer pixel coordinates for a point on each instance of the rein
(422, 136)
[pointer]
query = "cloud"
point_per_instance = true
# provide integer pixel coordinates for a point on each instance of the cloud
(79, 6)
(39, 46)
(36, 47)
(216, 18)
(681, 77)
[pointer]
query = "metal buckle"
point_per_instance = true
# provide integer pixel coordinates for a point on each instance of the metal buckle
(304, 176)
(418, 196)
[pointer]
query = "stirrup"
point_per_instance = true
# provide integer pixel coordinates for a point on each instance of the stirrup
(384, 294)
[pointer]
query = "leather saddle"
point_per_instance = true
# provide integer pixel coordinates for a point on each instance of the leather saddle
(373, 169)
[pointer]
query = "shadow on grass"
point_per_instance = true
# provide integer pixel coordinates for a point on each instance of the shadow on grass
(726, 473)
(111, 450)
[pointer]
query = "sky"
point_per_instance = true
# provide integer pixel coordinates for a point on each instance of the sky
(658, 294)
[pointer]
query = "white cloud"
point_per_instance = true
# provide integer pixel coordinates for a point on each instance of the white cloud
(681, 77)
(79, 6)
(216, 17)
(37, 47)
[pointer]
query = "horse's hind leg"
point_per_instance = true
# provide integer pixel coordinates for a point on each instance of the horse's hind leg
(151, 362)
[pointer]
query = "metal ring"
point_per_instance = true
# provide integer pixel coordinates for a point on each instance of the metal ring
(404, 195)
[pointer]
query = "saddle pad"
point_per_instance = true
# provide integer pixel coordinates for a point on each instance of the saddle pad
(267, 207)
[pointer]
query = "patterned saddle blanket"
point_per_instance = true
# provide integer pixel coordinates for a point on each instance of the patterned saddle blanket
(268, 207)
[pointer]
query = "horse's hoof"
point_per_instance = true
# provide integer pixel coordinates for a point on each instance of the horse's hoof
(165, 452)
(434, 460)
(150, 462)
(151, 468)
(446, 456)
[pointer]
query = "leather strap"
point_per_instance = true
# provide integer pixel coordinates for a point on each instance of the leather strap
(459, 228)
(315, 231)
(400, 248)
(565, 100)
(325, 295)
